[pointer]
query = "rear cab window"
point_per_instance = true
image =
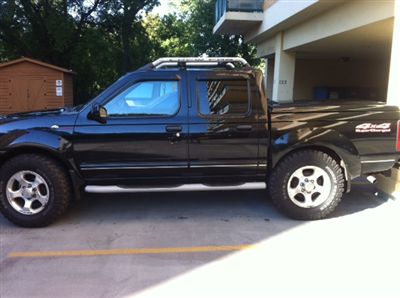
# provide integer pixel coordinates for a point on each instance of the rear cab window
(223, 97)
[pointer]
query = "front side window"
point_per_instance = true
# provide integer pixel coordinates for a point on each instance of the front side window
(223, 97)
(150, 98)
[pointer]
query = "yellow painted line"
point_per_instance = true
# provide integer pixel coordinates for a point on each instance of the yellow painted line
(127, 251)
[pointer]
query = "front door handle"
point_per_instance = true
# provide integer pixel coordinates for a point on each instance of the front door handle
(173, 128)
(244, 127)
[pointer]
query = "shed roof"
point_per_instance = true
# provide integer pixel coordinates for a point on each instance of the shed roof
(25, 59)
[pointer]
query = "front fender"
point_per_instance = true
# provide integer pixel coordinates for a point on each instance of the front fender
(28, 140)
(329, 139)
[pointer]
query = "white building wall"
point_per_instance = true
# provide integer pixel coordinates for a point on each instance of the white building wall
(269, 76)
(345, 17)
(278, 13)
(285, 64)
(394, 79)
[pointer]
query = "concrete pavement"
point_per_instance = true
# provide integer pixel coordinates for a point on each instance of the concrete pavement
(205, 244)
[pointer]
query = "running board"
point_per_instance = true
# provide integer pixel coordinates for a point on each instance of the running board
(186, 187)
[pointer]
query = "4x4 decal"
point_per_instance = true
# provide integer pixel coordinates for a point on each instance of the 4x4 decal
(371, 127)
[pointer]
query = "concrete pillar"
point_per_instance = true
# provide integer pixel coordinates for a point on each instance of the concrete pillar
(285, 63)
(391, 183)
(394, 86)
(269, 76)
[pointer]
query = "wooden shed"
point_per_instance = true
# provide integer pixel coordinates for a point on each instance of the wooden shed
(29, 85)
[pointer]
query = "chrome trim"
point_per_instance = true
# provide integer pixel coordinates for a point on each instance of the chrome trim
(225, 166)
(185, 187)
(22, 192)
(380, 160)
(309, 190)
(371, 179)
(132, 168)
(168, 167)
(196, 61)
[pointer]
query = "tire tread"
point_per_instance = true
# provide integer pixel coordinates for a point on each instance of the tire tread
(57, 175)
(280, 172)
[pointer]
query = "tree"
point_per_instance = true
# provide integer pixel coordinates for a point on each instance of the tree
(168, 36)
(46, 30)
(96, 38)
(57, 32)
(123, 18)
(190, 33)
(103, 39)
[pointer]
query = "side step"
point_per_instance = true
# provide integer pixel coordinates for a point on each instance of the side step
(185, 187)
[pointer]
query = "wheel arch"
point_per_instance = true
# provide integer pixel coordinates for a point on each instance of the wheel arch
(332, 143)
(68, 164)
(32, 149)
(328, 151)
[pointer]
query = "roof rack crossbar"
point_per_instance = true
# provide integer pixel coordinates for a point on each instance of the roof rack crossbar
(197, 61)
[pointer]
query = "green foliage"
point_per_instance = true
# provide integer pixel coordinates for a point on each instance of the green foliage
(103, 39)
(169, 36)
(190, 33)
(98, 39)
(200, 15)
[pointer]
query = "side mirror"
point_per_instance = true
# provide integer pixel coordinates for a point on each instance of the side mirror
(98, 113)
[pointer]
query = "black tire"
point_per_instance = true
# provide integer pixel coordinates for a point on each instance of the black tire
(59, 189)
(278, 184)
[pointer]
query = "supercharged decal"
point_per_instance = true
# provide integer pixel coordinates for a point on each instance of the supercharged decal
(371, 127)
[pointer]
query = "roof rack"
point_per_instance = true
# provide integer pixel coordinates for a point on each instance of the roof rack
(186, 62)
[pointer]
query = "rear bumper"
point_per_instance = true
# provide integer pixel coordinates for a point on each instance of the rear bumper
(378, 163)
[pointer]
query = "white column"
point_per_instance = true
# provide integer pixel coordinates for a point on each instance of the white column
(285, 63)
(269, 76)
(394, 77)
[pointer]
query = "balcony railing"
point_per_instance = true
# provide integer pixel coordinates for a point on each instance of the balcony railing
(223, 6)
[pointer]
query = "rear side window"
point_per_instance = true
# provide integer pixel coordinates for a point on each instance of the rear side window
(219, 97)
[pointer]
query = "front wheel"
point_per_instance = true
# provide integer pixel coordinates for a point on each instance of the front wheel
(307, 185)
(35, 190)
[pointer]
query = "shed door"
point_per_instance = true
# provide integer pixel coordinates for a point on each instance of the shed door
(27, 91)
(5, 90)
(19, 98)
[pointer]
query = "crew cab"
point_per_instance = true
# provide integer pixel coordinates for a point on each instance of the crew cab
(192, 121)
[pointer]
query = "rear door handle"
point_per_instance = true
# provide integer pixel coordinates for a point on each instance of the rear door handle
(173, 128)
(244, 127)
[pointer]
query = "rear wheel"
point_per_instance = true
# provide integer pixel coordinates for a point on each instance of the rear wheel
(35, 190)
(307, 185)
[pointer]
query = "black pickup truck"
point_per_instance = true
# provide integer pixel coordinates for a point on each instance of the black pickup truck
(197, 121)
